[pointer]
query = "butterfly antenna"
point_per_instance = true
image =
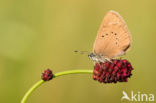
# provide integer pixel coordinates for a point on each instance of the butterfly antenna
(82, 52)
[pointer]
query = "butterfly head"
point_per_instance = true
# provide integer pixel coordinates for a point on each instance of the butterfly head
(96, 57)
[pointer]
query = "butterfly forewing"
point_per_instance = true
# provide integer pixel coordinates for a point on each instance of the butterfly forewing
(113, 38)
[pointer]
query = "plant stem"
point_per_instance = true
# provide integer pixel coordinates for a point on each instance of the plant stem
(31, 90)
(73, 72)
(35, 86)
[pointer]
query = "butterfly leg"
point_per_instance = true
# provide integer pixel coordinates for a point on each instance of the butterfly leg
(108, 59)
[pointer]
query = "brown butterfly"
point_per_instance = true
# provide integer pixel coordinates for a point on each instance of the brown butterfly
(113, 38)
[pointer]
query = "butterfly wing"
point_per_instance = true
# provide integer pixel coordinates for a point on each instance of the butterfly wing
(113, 38)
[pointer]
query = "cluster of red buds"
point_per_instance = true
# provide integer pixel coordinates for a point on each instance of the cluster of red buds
(116, 70)
(47, 75)
(112, 71)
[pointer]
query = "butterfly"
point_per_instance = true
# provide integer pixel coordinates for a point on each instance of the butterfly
(113, 38)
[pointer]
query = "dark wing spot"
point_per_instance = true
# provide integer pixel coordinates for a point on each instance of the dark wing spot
(115, 34)
(102, 36)
(116, 43)
(126, 47)
(112, 32)
(106, 33)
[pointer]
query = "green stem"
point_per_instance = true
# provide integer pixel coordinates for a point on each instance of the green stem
(35, 86)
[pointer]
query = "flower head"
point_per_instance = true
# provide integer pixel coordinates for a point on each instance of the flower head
(47, 75)
(111, 72)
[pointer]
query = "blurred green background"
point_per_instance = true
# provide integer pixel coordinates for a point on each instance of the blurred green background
(40, 34)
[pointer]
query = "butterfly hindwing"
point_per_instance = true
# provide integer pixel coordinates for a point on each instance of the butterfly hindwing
(113, 38)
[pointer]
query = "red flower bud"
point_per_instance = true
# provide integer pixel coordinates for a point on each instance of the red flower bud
(47, 75)
(112, 72)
